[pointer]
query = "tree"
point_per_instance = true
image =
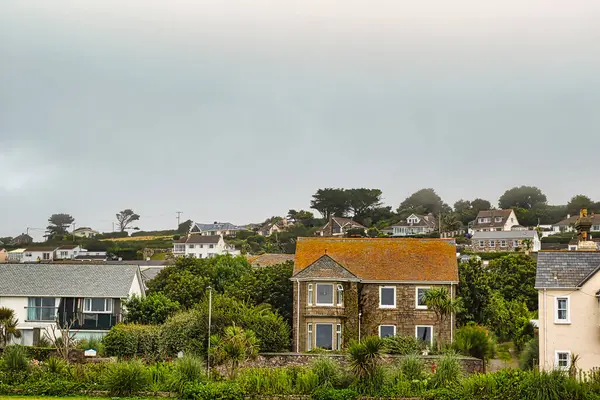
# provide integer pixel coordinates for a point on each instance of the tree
(125, 218)
(513, 276)
(439, 301)
(234, 348)
(58, 224)
(184, 227)
(361, 200)
(450, 223)
(578, 202)
(8, 327)
(467, 210)
(153, 309)
(522, 197)
(475, 341)
(330, 202)
(303, 217)
(424, 201)
(474, 290)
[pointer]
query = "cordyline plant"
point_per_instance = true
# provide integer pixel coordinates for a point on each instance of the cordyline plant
(8, 326)
(443, 305)
(365, 356)
(234, 348)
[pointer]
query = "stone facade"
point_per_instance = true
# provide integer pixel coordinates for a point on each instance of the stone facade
(495, 245)
(364, 299)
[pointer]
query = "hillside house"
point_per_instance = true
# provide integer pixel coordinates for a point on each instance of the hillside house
(15, 256)
(416, 225)
(21, 240)
(514, 240)
(85, 232)
(67, 252)
(568, 224)
(40, 254)
(348, 288)
(494, 220)
(87, 296)
(339, 226)
(215, 229)
(202, 246)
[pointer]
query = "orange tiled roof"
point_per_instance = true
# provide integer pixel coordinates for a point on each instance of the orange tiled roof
(266, 260)
(386, 259)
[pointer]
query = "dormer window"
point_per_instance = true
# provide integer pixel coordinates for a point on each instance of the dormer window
(498, 219)
(413, 220)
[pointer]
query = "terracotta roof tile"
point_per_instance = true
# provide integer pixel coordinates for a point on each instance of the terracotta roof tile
(387, 259)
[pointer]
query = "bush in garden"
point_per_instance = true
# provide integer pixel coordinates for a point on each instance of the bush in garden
(447, 373)
(403, 345)
(475, 341)
(153, 309)
(131, 340)
(213, 391)
(530, 355)
(188, 369)
(328, 372)
(266, 381)
(55, 365)
(306, 381)
(15, 359)
(126, 378)
(412, 367)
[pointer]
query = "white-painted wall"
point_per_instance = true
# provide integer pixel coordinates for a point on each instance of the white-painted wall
(206, 250)
(67, 254)
(35, 256)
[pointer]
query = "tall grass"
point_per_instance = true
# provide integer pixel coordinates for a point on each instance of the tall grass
(187, 369)
(126, 378)
(15, 359)
(447, 373)
(307, 381)
(270, 381)
(328, 372)
(412, 367)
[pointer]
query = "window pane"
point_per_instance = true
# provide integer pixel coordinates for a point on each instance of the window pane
(421, 294)
(325, 294)
(98, 305)
(325, 336)
(386, 330)
(424, 333)
(48, 301)
(387, 296)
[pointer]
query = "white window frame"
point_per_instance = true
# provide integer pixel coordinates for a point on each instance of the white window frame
(386, 325)
(190, 246)
(492, 243)
(309, 294)
(309, 336)
(417, 305)
(568, 319)
(338, 337)
(384, 305)
(108, 306)
(503, 243)
(317, 295)
(556, 359)
(45, 256)
(339, 295)
(425, 326)
(481, 243)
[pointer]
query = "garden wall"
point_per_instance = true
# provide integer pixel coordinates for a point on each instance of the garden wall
(470, 365)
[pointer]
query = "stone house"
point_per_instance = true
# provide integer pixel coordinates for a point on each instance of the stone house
(494, 241)
(348, 288)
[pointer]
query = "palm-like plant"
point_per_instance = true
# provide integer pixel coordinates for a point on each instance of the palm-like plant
(235, 347)
(443, 305)
(364, 359)
(8, 326)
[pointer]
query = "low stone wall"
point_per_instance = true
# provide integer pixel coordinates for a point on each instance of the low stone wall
(470, 365)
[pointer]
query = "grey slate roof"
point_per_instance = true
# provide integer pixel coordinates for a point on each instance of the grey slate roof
(66, 280)
(495, 235)
(571, 268)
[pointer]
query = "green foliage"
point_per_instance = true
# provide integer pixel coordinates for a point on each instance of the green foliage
(403, 345)
(580, 201)
(233, 348)
(39, 353)
(467, 211)
(412, 367)
(365, 360)
(530, 355)
(332, 394)
(523, 334)
(131, 340)
(126, 378)
(266, 381)
(306, 381)
(8, 326)
(125, 218)
(474, 290)
(505, 317)
(213, 391)
(58, 224)
(15, 359)
(330, 202)
(188, 369)
(424, 201)
(327, 371)
(153, 309)
(442, 304)
(475, 341)
(55, 365)
(513, 276)
(447, 373)
(522, 197)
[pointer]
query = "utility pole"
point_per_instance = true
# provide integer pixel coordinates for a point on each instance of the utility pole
(209, 323)
(178, 218)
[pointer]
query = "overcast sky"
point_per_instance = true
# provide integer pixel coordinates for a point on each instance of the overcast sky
(236, 110)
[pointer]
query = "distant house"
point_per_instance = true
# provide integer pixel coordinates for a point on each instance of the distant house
(415, 225)
(85, 232)
(339, 226)
(493, 241)
(67, 252)
(91, 255)
(568, 224)
(202, 246)
(16, 255)
(40, 254)
(88, 297)
(215, 229)
(3, 255)
(21, 240)
(574, 243)
(494, 220)
(272, 227)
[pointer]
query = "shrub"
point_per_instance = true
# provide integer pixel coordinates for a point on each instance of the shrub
(55, 365)
(412, 367)
(153, 309)
(213, 391)
(307, 381)
(39, 353)
(475, 341)
(448, 372)
(188, 369)
(266, 381)
(327, 370)
(126, 378)
(15, 359)
(130, 340)
(333, 394)
(403, 345)
(530, 355)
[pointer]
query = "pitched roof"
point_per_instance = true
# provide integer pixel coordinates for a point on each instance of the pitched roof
(217, 226)
(565, 269)
(65, 280)
(342, 221)
(200, 239)
(68, 247)
(571, 220)
(326, 267)
(38, 249)
(424, 220)
(504, 235)
(386, 259)
(492, 214)
(266, 260)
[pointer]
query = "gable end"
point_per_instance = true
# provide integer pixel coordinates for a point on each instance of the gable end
(325, 268)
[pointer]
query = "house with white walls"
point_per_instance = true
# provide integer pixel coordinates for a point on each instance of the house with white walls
(38, 254)
(85, 232)
(3, 255)
(415, 225)
(203, 246)
(215, 229)
(86, 297)
(15, 256)
(67, 252)
(494, 220)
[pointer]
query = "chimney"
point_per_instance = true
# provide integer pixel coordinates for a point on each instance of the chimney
(583, 226)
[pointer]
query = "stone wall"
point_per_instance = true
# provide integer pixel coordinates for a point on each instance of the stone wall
(470, 365)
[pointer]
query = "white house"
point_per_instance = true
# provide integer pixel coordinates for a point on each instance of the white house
(202, 246)
(67, 252)
(87, 297)
(85, 232)
(215, 229)
(40, 254)
(15, 256)
(415, 225)
(494, 220)
(568, 224)
(493, 241)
